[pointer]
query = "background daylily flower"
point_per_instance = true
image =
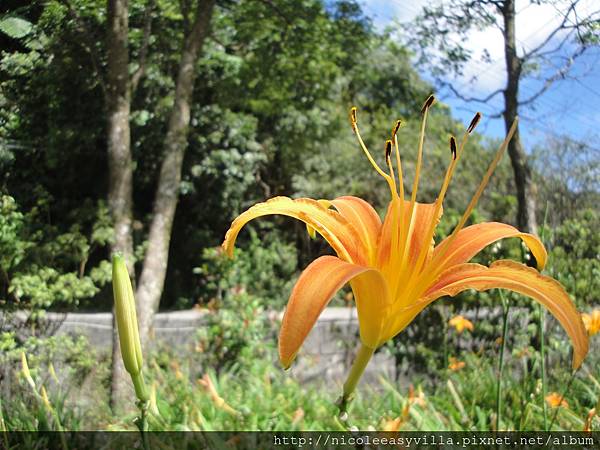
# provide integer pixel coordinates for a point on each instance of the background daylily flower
(554, 400)
(460, 324)
(592, 321)
(455, 365)
(393, 268)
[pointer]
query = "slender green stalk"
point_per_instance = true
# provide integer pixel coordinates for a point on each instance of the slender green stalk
(541, 325)
(506, 310)
(3, 427)
(542, 314)
(142, 423)
(356, 371)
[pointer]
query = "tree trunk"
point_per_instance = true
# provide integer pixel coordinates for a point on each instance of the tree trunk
(525, 189)
(119, 165)
(152, 279)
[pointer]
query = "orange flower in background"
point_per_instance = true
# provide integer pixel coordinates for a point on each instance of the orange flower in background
(392, 424)
(460, 324)
(554, 400)
(587, 426)
(592, 322)
(393, 267)
(455, 365)
(418, 398)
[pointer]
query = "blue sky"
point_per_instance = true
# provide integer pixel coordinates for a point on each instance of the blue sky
(569, 107)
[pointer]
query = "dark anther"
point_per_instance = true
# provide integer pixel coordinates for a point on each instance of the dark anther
(453, 146)
(388, 149)
(396, 127)
(427, 104)
(474, 122)
(353, 115)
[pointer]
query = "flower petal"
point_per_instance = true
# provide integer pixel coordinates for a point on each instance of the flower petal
(516, 277)
(316, 286)
(422, 218)
(471, 240)
(336, 229)
(415, 227)
(363, 217)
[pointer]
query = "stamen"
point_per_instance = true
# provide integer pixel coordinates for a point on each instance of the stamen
(486, 177)
(398, 162)
(438, 203)
(354, 123)
(353, 120)
(473, 202)
(396, 128)
(413, 197)
(388, 160)
(474, 122)
(430, 100)
(398, 230)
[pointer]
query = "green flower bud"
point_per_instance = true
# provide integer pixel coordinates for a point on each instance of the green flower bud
(127, 326)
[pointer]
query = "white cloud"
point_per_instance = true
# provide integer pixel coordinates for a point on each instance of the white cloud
(533, 25)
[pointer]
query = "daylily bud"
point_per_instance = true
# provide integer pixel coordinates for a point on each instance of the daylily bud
(26, 372)
(129, 338)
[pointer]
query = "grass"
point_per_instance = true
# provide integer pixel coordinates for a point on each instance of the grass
(260, 396)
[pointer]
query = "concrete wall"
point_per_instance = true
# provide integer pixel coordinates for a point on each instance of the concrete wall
(326, 354)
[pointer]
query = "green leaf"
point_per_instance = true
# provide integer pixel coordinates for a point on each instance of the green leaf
(15, 27)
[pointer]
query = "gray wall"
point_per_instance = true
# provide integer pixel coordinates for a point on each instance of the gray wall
(326, 354)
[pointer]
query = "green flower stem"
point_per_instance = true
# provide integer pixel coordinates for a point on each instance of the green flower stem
(142, 423)
(542, 317)
(358, 367)
(542, 314)
(506, 307)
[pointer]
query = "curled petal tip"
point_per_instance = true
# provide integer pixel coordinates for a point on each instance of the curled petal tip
(286, 363)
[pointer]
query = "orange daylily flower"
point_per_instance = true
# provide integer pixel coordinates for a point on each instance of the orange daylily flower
(592, 322)
(392, 425)
(461, 324)
(587, 426)
(554, 400)
(393, 268)
(418, 398)
(455, 365)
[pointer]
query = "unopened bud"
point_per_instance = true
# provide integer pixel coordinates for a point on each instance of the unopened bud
(127, 326)
(26, 372)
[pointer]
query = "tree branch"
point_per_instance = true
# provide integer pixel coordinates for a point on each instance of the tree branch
(141, 70)
(472, 99)
(560, 74)
(562, 26)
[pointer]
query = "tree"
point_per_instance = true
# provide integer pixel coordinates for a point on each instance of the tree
(118, 90)
(120, 165)
(566, 42)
